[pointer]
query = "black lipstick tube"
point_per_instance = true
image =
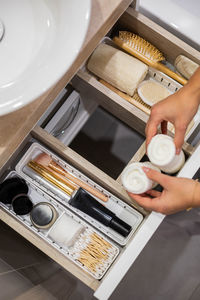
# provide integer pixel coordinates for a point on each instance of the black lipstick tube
(87, 204)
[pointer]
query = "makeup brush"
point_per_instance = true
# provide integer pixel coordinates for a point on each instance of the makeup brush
(45, 160)
(56, 175)
(40, 169)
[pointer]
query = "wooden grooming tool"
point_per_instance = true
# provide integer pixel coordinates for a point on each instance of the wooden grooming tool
(135, 99)
(46, 161)
(146, 52)
(50, 176)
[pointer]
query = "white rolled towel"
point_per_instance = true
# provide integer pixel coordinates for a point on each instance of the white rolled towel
(121, 70)
(162, 153)
(134, 179)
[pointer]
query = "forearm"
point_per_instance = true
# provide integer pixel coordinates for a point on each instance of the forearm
(192, 88)
(196, 194)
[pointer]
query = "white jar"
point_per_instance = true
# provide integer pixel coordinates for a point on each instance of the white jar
(162, 153)
(134, 179)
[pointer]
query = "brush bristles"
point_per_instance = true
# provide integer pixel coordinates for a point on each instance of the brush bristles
(142, 46)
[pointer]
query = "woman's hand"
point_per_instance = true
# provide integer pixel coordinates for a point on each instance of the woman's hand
(179, 109)
(178, 194)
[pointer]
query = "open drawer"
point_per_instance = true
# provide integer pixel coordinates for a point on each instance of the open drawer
(81, 168)
(85, 85)
(127, 253)
(114, 100)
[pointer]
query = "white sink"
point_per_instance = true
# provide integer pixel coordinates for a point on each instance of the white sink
(39, 40)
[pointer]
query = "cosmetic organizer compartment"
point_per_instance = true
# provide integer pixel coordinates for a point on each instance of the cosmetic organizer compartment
(71, 116)
(152, 74)
(79, 246)
(122, 210)
(87, 86)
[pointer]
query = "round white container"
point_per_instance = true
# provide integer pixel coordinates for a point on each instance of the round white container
(134, 179)
(162, 153)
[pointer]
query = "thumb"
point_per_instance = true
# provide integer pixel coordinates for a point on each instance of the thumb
(157, 176)
(151, 129)
(179, 138)
(149, 134)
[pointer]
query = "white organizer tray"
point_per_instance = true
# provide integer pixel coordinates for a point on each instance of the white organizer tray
(117, 206)
(36, 195)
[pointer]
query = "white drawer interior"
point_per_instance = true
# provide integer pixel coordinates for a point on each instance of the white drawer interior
(96, 134)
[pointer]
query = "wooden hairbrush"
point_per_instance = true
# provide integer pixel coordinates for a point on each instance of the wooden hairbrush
(146, 52)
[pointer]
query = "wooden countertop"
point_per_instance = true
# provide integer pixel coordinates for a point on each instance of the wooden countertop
(15, 126)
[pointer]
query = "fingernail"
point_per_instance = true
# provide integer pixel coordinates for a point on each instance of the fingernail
(178, 151)
(145, 169)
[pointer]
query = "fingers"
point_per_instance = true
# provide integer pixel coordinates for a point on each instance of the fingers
(151, 129)
(158, 177)
(179, 137)
(153, 193)
(146, 202)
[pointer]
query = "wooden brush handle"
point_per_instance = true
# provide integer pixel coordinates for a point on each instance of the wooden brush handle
(121, 94)
(50, 176)
(58, 176)
(54, 166)
(169, 72)
(127, 97)
(149, 62)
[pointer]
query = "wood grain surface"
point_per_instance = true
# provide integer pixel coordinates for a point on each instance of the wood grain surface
(15, 126)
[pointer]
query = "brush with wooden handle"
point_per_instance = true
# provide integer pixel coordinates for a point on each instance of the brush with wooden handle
(65, 186)
(45, 160)
(146, 52)
(135, 99)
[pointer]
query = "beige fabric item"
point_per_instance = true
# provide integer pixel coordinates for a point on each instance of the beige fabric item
(117, 68)
(185, 66)
(152, 92)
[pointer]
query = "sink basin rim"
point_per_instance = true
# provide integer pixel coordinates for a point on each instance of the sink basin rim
(34, 82)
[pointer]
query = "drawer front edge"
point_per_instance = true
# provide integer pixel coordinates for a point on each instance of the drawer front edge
(127, 258)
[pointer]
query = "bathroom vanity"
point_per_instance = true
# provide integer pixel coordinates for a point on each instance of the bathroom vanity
(31, 124)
